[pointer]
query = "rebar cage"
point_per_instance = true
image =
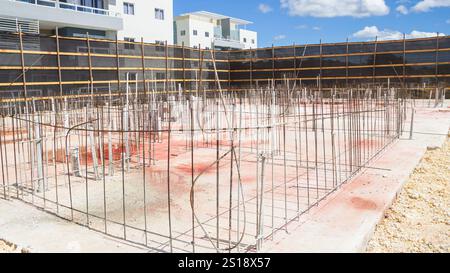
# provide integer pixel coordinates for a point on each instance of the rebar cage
(194, 172)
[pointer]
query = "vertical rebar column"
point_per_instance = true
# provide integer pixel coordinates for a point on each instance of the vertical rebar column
(58, 59)
(3, 170)
(183, 67)
(191, 112)
(16, 154)
(412, 123)
(436, 64)
(118, 66)
(404, 58)
(75, 161)
(346, 65)
(200, 70)
(168, 181)
(260, 234)
(374, 62)
(143, 68)
(217, 172)
(273, 65)
(251, 69)
(305, 119)
(126, 155)
(93, 151)
(166, 56)
(24, 71)
(39, 150)
(110, 144)
(91, 76)
(6, 157)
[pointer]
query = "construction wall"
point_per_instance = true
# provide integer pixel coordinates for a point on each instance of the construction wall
(408, 63)
(64, 66)
(57, 66)
(401, 63)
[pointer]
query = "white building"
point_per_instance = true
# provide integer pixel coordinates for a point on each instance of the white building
(208, 30)
(150, 19)
(128, 19)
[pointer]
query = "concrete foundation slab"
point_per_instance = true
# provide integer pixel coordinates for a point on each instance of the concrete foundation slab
(38, 231)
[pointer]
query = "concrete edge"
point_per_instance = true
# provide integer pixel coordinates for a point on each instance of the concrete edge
(362, 247)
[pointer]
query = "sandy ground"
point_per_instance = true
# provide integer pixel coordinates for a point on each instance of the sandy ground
(6, 247)
(419, 220)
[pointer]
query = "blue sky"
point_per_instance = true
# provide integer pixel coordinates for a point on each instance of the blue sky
(284, 22)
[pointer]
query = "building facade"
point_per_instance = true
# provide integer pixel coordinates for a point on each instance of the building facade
(126, 19)
(210, 30)
(151, 20)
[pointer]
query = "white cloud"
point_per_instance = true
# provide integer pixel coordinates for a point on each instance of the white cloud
(427, 5)
(301, 27)
(421, 34)
(279, 37)
(308, 27)
(264, 8)
(402, 9)
(335, 8)
(387, 34)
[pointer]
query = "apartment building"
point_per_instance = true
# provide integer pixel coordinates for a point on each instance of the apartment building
(126, 19)
(150, 19)
(212, 30)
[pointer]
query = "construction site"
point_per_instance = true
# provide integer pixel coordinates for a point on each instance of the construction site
(177, 149)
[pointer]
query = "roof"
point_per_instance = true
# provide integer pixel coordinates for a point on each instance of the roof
(217, 16)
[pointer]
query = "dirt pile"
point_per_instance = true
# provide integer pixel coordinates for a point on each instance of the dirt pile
(419, 220)
(6, 247)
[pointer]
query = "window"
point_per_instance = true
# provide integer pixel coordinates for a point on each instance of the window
(245, 40)
(183, 33)
(84, 3)
(129, 45)
(159, 14)
(253, 41)
(195, 32)
(207, 34)
(128, 8)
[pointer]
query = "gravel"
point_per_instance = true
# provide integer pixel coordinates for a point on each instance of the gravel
(6, 247)
(419, 220)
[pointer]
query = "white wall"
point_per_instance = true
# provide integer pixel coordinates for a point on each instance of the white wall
(202, 26)
(250, 36)
(191, 23)
(143, 22)
(57, 17)
(183, 24)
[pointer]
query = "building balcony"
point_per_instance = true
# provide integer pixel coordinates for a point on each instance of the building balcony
(74, 7)
(228, 43)
(60, 14)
